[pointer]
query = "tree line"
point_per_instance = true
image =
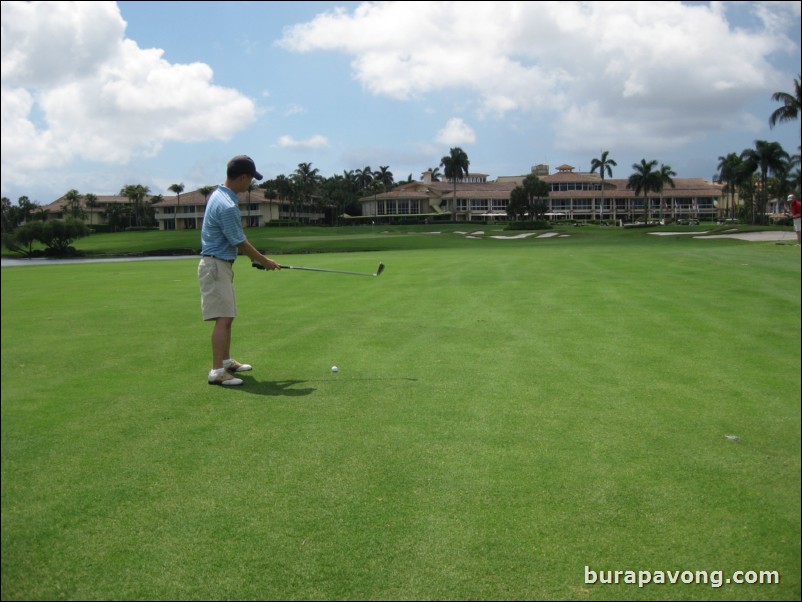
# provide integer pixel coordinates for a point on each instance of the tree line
(755, 175)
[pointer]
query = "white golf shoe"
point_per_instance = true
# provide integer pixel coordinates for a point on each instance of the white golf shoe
(223, 379)
(235, 366)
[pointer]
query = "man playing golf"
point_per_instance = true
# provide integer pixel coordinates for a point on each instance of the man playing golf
(222, 238)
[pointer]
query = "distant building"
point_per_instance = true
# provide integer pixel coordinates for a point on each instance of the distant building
(572, 196)
(185, 211)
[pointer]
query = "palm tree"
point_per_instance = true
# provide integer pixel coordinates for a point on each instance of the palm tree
(435, 174)
(455, 167)
(306, 180)
(665, 175)
(206, 191)
(364, 177)
(794, 175)
(177, 189)
(72, 203)
(604, 165)
(791, 106)
(382, 179)
(384, 176)
(536, 191)
(251, 188)
(136, 193)
(350, 177)
(729, 169)
(90, 200)
(285, 193)
(644, 180)
(518, 205)
(271, 195)
(766, 157)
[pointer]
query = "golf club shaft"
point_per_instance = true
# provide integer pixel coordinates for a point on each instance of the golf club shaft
(295, 267)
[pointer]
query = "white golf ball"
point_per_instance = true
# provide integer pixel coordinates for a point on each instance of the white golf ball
(334, 369)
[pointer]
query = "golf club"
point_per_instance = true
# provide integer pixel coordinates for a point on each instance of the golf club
(379, 270)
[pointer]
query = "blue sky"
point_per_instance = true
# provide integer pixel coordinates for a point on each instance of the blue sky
(98, 95)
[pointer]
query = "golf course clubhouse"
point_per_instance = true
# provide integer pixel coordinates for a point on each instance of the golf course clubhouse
(573, 196)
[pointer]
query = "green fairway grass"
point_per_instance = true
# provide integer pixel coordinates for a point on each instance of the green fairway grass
(506, 413)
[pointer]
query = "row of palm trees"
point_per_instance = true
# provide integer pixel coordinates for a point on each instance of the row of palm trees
(736, 171)
(746, 174)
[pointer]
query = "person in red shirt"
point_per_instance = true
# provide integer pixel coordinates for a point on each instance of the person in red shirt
(795, 209)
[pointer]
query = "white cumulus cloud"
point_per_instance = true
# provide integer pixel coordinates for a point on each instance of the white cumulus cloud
(456, 132)
(604, 73)
(74, 87)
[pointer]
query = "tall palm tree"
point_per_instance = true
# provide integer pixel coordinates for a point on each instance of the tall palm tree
(90, 200)
(790, 109)
(307, 180)
(766, 157)
(177, 189)
(645, 180)
(729, 169)
(665, 174)
(251, 188)
(384, 176)
(285, 192)
(350, 177)
(455, 167)
(604, 165)
(271, 195)
(364, 177)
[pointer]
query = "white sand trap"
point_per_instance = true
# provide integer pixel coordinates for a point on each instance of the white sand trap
(524, 235)
(766, 236)
(528, 234)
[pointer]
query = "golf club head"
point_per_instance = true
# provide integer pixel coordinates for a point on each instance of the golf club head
(380, 269)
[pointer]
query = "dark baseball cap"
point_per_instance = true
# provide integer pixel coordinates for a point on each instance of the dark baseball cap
(243, 164)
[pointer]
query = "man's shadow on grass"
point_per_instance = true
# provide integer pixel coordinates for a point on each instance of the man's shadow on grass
(274, 387)
(284, 388)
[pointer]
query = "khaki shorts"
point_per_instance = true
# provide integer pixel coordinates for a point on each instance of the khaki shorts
(216, 279)
(797, 223)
